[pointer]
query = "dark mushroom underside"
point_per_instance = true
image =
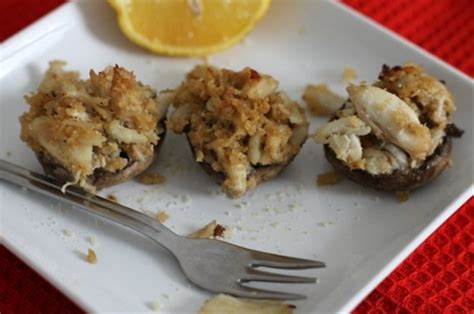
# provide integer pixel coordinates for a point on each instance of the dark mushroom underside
(102, 178)
(405, 180)
(258, 175)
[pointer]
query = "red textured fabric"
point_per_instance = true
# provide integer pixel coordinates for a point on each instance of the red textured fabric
(437, 278)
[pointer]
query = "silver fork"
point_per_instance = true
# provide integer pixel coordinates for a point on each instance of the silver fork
(210, 264)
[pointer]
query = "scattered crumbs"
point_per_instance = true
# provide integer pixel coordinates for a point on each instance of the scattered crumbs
(9, 154)
(356, 204)
(338, 210)
(68, 232)
(211, 230)
(321, 101)
(305, 232)
(402, 196)
(151, 178)
(162, 216)
(349, 74)
(112, 197)
(228, 213)
(155, 306)
(166, 296)
(328, 178)
(91, 257)
(140, 199)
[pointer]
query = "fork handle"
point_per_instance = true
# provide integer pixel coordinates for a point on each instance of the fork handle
(92, 204)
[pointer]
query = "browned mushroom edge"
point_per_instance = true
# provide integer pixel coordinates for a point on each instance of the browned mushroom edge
(102, 178)
(258, 175)
(405, 180)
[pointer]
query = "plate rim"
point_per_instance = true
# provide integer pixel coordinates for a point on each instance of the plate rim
(25, 37)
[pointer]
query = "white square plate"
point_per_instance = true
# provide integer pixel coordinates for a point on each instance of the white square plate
(361, 234)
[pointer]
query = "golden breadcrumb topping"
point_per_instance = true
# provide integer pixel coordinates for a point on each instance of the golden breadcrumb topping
(237, 121)
(103, 123)
(394, 124)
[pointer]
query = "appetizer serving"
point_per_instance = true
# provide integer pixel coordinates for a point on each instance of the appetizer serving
(393, 135)
(95, 132)
(238, 124)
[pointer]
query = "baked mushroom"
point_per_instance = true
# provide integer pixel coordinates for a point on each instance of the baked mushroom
(96, 132)
(239, 126)
(394, 135)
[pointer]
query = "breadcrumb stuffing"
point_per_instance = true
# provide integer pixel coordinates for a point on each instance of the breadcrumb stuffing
(328, 178)
(91, 256)
(237, 122)
(152, 178)
(104, 123)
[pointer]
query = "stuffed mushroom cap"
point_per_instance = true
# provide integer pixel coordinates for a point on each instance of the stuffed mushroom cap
(394, 135)
(239, 125)
(95, 132)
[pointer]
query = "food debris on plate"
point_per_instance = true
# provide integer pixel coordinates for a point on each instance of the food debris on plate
(112, 197)
(402, 196)
(209, 231)
(91, 257)
(162, 216)
(152, 178)
(223, 303)
(349, 74)
(321, 101)
(328, 178)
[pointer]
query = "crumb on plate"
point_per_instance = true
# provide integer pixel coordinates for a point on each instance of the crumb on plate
(328, 178)
(112, 197)
(222, 303)
(209, 231)
(321, 101)
(402, 196)
(349, 74)
(162, 216)
(91, 256)
(152, 178)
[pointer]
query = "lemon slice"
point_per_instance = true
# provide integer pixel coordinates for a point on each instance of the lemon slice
(188, 27)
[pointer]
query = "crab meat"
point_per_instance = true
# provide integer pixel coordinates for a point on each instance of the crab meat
(348, 149)
(391, 119)
(343, 126)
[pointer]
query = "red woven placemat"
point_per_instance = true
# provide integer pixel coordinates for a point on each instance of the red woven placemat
(438, 277)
